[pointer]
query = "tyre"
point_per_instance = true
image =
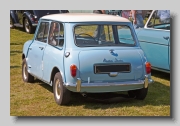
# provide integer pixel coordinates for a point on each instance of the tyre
(139, 94)
(61, 94)
(25, 75)
(28, 27)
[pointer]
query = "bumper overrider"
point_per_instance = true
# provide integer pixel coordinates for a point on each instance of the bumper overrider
(108, 86)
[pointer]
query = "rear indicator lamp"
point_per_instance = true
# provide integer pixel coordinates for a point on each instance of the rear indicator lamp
(73, 70)
(33, 18)
(148, 68)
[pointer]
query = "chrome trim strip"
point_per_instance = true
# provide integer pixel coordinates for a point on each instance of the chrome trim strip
(152, 42)
(160, 69)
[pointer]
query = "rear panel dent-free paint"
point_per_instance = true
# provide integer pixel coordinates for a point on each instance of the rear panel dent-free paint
(89, 58)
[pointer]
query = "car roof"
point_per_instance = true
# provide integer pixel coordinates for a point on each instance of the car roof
(84, 17)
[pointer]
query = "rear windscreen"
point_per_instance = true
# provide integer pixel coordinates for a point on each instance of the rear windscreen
(103, 35)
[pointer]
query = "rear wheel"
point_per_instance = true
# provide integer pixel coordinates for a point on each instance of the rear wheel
(27, 77)
(61, 94)
(139, 94)
(28, 26)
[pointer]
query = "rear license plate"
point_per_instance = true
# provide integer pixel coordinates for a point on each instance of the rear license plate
(107, 68)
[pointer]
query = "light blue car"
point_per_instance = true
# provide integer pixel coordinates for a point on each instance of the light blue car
(154, 39)
(86, 53)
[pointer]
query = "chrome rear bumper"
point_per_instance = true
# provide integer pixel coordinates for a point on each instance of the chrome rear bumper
(108, 86)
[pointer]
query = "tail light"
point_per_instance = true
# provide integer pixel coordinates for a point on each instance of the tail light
(33, 18)
(73, 69)
(148, 67)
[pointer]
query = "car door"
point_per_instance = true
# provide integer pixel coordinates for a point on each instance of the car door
(155, 42)
(36, 50)
(54, 53)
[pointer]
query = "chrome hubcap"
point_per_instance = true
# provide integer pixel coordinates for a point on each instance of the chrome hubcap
(25, 71)
(57, 89)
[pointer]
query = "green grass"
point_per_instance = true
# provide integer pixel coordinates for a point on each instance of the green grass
(37, 99)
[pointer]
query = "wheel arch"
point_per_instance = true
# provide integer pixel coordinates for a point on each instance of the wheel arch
(53, 72)
(23, 56)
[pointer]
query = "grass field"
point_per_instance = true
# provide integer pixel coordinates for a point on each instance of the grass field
(37, 99)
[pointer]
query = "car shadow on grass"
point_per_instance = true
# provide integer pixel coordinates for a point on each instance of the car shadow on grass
(44, 85)
(160, 74)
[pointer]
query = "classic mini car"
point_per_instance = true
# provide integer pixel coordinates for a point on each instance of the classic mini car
(154, 39)
(86, 53)
(28, 19)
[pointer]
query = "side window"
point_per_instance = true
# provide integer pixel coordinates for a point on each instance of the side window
(125, 35)
(151, 22)
(42, 33)
(56, 34)
(160, 20)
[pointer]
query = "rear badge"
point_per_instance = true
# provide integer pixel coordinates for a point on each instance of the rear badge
(112, 52)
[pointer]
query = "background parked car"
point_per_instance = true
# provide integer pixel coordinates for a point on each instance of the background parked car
(28, 19)
(154, 39)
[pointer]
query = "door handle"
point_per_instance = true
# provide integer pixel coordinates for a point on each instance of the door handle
(41, 48)
(167, 37)
(30, 48)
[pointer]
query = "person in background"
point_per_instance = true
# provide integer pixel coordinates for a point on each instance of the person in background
(137, 16)
(51, 37)
(164, 16)
(126, 13)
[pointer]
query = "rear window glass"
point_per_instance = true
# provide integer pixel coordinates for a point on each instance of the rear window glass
(103, 35)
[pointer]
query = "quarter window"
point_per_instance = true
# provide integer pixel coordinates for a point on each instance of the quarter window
(42, 33)
(125, 35)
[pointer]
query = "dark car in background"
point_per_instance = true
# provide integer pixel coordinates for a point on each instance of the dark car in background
(28, 19)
